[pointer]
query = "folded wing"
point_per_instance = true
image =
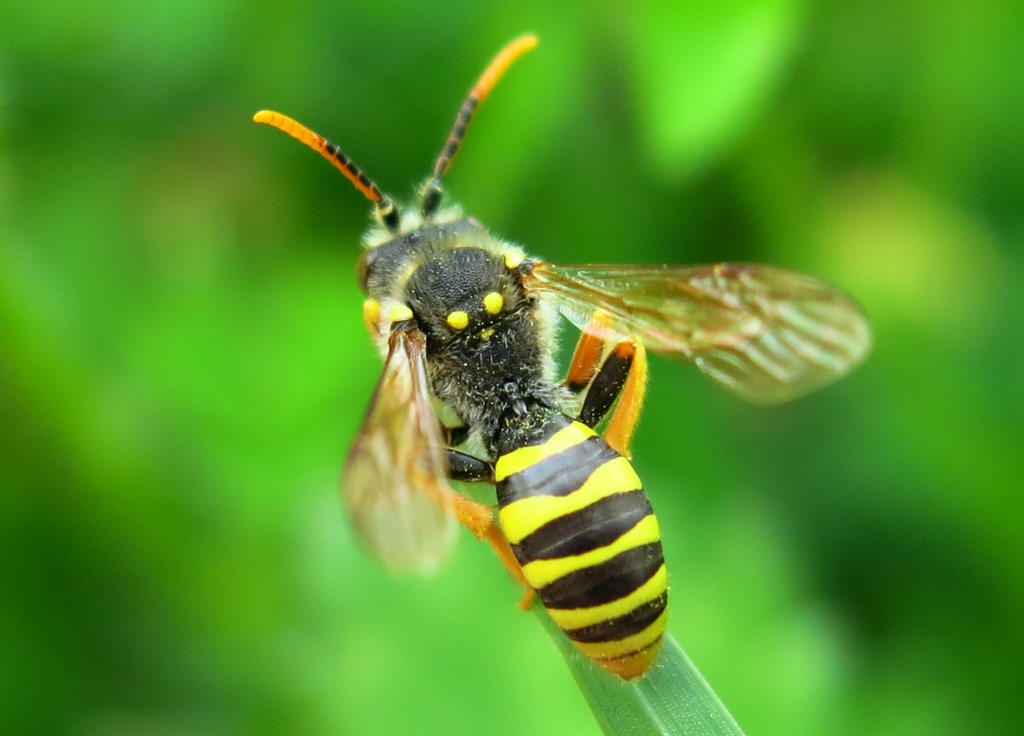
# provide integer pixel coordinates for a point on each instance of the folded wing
(395, 480)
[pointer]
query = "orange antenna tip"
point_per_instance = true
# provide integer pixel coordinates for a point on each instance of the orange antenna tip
(332, 153)
(432, 192)
(497, 68)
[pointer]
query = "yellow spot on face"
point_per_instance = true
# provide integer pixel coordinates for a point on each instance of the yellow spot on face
(493, 302)
(371, 310)
(513, 257)
(486, 334)
(458, 320)
(400, 313)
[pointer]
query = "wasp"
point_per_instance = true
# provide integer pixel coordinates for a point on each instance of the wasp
(466, 323)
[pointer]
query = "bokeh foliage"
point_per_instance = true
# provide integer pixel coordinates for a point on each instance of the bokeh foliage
(182, 362)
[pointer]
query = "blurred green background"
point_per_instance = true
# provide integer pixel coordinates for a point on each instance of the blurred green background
(183, 363)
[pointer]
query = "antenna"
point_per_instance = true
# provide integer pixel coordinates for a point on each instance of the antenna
(495, 70)
(387, 213)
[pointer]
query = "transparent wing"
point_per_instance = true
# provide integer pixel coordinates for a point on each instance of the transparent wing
(767, 334)
(395, 481)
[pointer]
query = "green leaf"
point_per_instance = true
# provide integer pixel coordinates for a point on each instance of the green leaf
(671, 698)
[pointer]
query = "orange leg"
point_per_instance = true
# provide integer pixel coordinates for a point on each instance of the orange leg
(619, 432)
(587, 355)
(479, 519)
(508, 559)
(620, 382)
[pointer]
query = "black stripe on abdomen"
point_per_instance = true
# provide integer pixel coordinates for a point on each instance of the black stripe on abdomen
(606, 582)
(557, 475)
(618, 628)
(581, 531)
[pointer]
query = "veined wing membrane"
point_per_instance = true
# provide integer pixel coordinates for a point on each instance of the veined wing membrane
(395, 481)
(767, 334)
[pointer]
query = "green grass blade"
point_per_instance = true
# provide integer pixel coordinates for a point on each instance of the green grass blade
(672, 698)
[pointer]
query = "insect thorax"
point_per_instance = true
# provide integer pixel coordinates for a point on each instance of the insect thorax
(490, 344)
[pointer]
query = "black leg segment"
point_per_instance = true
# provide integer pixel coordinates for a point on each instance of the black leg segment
(606, 387)
(469, 469)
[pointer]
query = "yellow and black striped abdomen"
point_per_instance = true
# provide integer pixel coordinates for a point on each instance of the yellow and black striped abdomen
(582, 528)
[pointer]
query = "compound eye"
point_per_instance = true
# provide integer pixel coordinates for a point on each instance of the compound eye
(363, 267)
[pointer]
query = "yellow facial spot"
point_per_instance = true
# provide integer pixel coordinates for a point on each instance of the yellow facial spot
(493, 302)
(513, 257)
(371, 310)
(486, 334)
(458, 320)
(400, 313)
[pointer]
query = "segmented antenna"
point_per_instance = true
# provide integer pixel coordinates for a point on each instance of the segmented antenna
(494, 71)
(386, 210)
